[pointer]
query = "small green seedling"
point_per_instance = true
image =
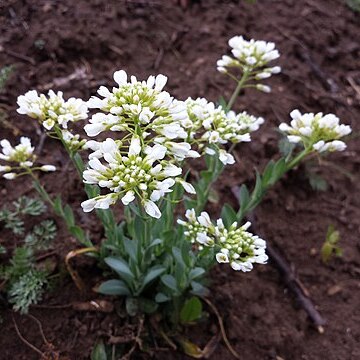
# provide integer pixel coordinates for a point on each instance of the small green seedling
(330, 247)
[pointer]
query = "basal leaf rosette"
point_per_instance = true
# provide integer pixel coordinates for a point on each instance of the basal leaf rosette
(20, 159)
(52, 109)
(236, 246)
(316, 132)
(211, 127)
(139, 171)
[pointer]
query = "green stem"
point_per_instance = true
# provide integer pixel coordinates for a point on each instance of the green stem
(255, 199)
(235, 94)
(297, 159)
(40, 189)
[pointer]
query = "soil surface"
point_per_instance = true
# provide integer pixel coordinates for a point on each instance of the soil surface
(47, 41)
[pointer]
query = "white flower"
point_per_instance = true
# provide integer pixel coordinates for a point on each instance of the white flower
(73, 141)
(226, 158)
(204, 219)
(142, 171)
(222, 258)
(20, 153)
(128, 197)
(263, 88)
(23, 157)
(52, 109)
(211, 125)
(48, 168)
(137, 102)
(9, 176)
(251, 57)
(5, 168)
(238, 247)
(317, 131)
(187, 186)
(151, 209)
(88, 205)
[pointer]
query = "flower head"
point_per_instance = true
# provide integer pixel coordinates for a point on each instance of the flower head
(137, 103)
(142, 171)
(143, 162)
(23, 153)
(316, 131)
(20, 159)
(52, 109)
(210, 125)
(250, 55)
(235, 245)
(251, 58)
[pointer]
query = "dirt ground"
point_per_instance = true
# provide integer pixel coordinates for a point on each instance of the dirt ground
(319, 43)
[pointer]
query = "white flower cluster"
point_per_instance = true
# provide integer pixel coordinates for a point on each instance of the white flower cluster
(251, 57)
(73, 141)
(137, 103)
(53, 109)
(236, 245)
(316, 131)
(218, 127)
(22, 155)
(142, 171)
(141, 163)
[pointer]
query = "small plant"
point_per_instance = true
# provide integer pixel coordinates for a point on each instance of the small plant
(157, 260)
(13, 219)
(331, 245)
(5, 73)
(24, 282)
(354, 4)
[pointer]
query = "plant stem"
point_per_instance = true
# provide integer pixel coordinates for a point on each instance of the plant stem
(40, 189)
(235, 94)
(255, 200)
(297, 159)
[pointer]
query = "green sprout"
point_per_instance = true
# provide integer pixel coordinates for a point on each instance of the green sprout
(331, 247)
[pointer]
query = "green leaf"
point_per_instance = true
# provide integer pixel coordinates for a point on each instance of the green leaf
(198, 289)
(131, 248)
(69, 215)
(213, 196)
(155, 242)
(113, 287)
(222, 102)
(277, 171)
(244, 196)
(317, 182)
(196, 272)
(2, 250)
(121, 267)
(58, 206)
(78, 232)
(258, 187)
(286, 147)
(267, 173)
(228, 215)
(98, 352)
(326, 252)
(191, 310)
(178, 256)
(170, 282)
(152, 274)
(161, 297)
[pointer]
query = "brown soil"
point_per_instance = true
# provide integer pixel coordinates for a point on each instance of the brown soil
(320, 50)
